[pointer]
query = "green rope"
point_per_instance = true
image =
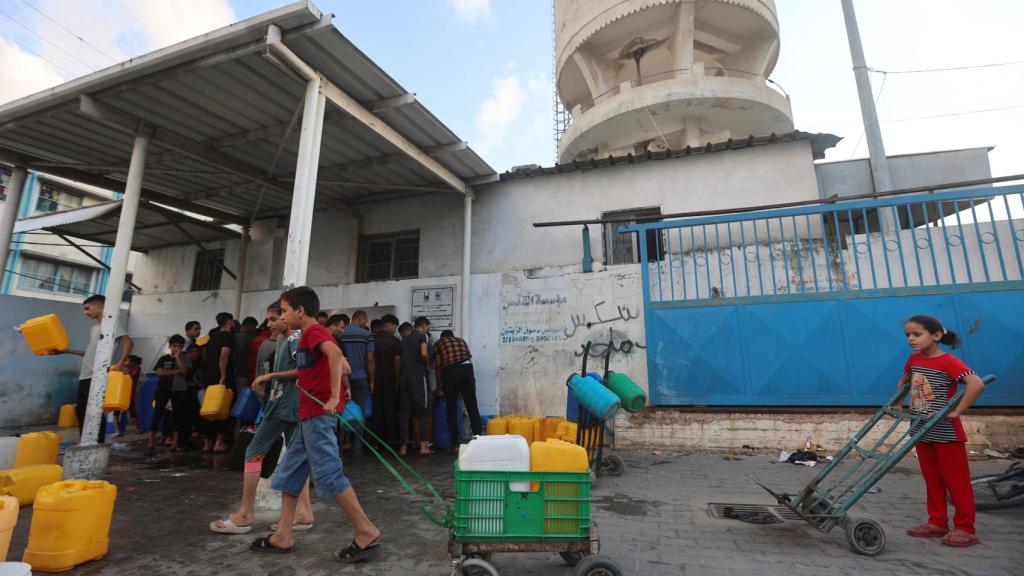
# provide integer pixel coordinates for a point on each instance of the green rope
(427, 503)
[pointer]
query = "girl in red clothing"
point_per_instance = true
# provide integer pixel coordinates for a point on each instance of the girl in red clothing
(942, 453)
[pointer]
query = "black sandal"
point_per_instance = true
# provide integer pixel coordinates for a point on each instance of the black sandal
(263, 544)
(354, 553)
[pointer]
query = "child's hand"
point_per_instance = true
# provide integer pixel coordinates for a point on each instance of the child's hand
(259, 380)
(331, 405)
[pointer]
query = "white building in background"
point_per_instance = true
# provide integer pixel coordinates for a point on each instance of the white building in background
(43, 265)
(663, 74)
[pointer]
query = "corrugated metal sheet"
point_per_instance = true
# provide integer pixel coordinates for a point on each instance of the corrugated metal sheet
(219, 89)
(155, 226)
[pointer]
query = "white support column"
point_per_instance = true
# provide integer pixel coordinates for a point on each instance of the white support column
(14, 189)
(298, 229)
(467, 240)
(311, 167)
(90, 463)
(872, 130)
(243, 258)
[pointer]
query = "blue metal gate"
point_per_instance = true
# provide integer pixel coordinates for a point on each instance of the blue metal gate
(805, 306)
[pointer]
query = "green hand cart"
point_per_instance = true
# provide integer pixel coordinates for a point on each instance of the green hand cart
(825, 502)
(500, 512)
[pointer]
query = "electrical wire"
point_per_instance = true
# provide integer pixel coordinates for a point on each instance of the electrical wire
(950, 69)
(65, 28)
(951, 114)
(44, 39)
(36, 54)
(877, 99)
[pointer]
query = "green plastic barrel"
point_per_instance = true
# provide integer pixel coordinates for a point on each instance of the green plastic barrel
(632, 396)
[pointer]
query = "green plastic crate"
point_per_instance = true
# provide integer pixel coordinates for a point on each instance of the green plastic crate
(556, 509)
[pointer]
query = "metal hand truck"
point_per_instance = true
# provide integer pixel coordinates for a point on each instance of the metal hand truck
(825, 502)
(590, 429)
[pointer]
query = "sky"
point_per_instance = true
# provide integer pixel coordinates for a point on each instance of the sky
(484, 67)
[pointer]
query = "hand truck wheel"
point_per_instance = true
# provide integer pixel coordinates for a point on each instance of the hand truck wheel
(478, 567)
(865, 536)
(597, 565)
(614, 465)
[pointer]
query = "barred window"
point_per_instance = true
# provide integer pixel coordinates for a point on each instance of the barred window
(208, 269)
(389, 257)
(621, 248)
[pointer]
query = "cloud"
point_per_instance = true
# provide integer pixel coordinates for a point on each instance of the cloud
(115, 30)
(33, 73)
(499, 112)
(471, 11)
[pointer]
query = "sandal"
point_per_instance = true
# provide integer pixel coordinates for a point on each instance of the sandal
(263, 544)
(960, 539)
(927, 531)
(354, 553)
(149, 451)
(227, 526)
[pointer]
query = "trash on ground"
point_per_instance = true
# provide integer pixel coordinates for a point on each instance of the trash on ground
(874, 490)
(994, 454)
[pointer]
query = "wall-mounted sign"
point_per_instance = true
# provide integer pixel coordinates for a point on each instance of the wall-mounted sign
(436, 303)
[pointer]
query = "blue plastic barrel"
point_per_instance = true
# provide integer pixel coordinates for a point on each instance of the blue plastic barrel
(144, 397)
(594, 396)
(439, 430)
(247, 405)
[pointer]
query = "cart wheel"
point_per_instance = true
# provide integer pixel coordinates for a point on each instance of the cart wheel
(865, 536)
(572, 558)
(614, 465)
(597, 565)
(478, 567)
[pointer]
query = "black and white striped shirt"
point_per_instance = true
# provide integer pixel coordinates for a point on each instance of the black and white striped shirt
(944, 373)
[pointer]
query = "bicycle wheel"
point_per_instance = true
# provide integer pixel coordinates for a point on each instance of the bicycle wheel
(989, 495)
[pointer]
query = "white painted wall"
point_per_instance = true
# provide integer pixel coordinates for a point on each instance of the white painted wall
(853, 177)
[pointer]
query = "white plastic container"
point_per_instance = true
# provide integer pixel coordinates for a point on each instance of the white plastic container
(505, 452)
(8, 448)
(15, 569)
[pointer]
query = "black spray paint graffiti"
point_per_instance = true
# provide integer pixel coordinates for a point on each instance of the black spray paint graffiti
(578, 320)
(618, 343)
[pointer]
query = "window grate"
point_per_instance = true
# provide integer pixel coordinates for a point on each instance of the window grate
(209, 267)
(389, 257)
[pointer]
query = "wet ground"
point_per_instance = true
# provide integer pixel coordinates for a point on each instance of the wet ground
(653, 520)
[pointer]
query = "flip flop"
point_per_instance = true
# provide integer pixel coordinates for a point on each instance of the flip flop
(229, 527)
(354, 554)
(926, 531)
(295, 527)
(263, 544)
(960, 539)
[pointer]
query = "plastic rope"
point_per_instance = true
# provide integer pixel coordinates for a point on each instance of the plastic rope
(447, 522)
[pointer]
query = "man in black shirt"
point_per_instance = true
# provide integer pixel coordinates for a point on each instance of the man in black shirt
(219, 368)
(413, 386)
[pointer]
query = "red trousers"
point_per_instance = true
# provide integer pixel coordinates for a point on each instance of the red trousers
(945, 469)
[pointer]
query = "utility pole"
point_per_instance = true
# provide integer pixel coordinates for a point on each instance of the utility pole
(872, 131)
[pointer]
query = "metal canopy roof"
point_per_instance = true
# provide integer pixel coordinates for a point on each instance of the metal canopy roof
(230, 113)
(155, 226)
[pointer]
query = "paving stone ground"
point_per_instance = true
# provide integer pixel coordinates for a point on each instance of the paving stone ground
(653, 520)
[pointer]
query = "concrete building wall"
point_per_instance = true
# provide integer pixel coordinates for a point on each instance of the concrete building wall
(853, 177)
(32, 388)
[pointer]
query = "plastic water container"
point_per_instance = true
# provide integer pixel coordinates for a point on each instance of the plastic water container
(352, 415)
(15, 569)
(439, 432)
(521, 426)
(37, 448)
(45, 335)
(549, 427)
(497, 453)
(594, 396)
(8, 519)
(216, 402)
(144, 398)
(8, 449)
(247, 405)
(24, 482)
(70, 524)
(119, 392)
(497, 426)
(67, 418)
(561, 505)
(632, 397)
(567, 431)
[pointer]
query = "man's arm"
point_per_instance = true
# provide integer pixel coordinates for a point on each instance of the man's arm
(126, 351)
(425, 355)
(225, 357)
(371, 368)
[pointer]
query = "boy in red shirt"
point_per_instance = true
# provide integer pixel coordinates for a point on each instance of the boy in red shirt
(314, 446)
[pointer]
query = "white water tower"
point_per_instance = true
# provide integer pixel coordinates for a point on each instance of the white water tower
(638, 75)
